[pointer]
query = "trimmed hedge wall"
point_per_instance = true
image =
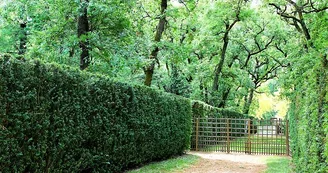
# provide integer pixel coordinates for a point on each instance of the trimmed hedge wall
(308, 132)
(201, 109)
(59, 119)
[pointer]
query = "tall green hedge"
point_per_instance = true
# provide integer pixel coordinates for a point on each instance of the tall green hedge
(308, 133)
(58, 119)
(201, 109)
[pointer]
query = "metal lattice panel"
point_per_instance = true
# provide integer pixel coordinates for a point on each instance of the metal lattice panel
(240, 136)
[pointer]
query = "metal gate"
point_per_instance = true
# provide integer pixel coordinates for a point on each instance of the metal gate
(240, 136)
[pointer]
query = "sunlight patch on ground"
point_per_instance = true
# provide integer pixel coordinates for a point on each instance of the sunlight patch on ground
(241, 158)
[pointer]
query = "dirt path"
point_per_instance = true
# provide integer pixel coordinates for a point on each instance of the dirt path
(227, 163)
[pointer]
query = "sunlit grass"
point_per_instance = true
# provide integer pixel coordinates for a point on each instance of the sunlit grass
(279, 165)
(170, 165)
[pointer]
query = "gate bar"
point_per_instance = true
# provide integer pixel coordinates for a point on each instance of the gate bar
(228, 135)
(249, 136)
(197, 123)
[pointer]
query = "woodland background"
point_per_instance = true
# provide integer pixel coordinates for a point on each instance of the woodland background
(226, 53)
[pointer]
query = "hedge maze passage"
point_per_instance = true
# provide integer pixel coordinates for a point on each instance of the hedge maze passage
(232, 135)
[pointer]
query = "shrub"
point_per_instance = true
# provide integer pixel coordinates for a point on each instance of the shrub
(308, 139)
(59, 119)
(201, 109)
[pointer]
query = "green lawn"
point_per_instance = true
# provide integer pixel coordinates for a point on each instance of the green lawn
(279, 165)
(167, 166)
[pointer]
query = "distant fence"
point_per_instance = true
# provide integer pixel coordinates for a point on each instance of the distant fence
(240, 136)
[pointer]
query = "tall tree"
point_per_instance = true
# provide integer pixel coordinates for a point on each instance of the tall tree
(228, 27)
(149, 69)
(83, 31)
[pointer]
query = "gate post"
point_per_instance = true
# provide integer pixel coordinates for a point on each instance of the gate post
(249, 137)
(228, 135)
(287, 139)
(197, 123)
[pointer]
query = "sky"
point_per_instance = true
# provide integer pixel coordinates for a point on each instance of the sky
(3, 2)
(255, 3)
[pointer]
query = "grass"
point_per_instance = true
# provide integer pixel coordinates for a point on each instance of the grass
(279, 165)
(170, 165)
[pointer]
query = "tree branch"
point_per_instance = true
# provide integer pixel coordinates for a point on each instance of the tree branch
(314, 9)
(283, 14)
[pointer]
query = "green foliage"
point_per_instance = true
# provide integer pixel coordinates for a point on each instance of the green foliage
(201, 109)
(59, 119)
(270, 114)
(273, 87)
(306, 86)
(121, 38)
(278, 165)
(177, 84)
(307, 138)
(52, 32)
(168, 166)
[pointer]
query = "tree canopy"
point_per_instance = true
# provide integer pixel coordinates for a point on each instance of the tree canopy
(226, 53)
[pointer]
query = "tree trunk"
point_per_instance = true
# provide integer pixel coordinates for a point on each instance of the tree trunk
(224, 98)
(83, 30)
(149, 70)
(218, 68)
(206, 95)
(227, 91)
(22, 39)
(249, 101)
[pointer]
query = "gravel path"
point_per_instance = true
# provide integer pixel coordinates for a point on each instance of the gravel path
(227, 163)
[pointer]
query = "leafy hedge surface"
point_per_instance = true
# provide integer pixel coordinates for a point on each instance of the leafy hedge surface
(57, 119)
(201, 109)
(308, 134)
